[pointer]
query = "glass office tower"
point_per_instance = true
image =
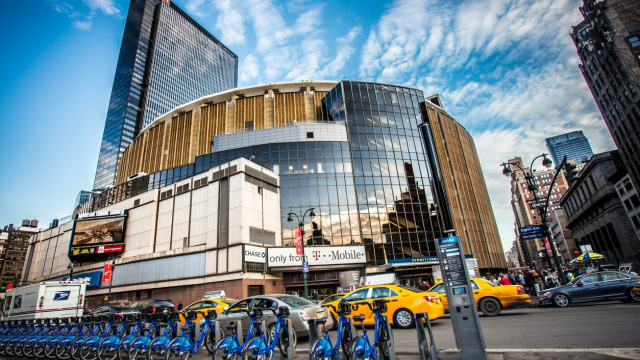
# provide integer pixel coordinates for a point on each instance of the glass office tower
(166, 59)
(574, 145)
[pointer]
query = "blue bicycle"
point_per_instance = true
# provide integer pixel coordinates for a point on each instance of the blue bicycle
(361, 347)
(102, 328)
(230, 347)
(158, 346)
(90, 346)
(73, 327)
(89, 325)
(138, 347)
(259, 348)
(322, 348)
(106, 347)
(185, 345)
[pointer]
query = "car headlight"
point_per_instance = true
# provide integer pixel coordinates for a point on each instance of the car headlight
(544, 294)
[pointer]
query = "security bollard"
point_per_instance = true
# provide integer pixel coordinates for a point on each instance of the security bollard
(392, 351)
(426, 347)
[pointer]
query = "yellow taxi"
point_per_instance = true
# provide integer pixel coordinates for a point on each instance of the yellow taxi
(404, 302)
(635, 292)
(334, 297)
(204, 305)
(490, 299)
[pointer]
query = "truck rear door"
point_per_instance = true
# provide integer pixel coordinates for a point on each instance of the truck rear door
(59, 301)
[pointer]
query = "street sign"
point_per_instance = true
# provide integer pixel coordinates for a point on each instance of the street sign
(530, 228)
(531, 235)
(305, 266)
(537, 205)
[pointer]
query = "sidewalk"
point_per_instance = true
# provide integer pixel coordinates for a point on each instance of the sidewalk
(539, 354)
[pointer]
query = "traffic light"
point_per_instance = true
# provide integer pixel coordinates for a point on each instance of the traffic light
(571, 172)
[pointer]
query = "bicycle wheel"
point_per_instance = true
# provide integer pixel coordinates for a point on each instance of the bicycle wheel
(107, 351)
(345, 343)
(383, 342)
(317, 350)
(88, 352)
(156, 348)
(138, 348)
(75, 350)
(63, 352)
(9, 349)
(178, 349)
(284, 342)
(358, 348)
(209, 341)
(49, 348)
(221, 349)
(124, 346)
(18, 348)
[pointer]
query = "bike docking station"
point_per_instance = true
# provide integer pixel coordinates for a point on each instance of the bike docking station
(233, 325)
(462, 305)
(392, 348)
(291, 350)
(426, 346)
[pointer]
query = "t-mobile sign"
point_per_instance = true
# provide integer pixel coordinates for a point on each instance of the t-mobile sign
(316, 255)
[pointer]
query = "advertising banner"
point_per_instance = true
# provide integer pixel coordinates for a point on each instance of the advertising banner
(106, 275)
(316, 256)
(97, 234)
(298, 233)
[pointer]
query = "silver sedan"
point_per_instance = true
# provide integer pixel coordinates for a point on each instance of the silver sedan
(300, 310)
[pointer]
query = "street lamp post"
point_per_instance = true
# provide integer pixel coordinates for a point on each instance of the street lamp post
(70, 268)
(542, 211)
(301, 225)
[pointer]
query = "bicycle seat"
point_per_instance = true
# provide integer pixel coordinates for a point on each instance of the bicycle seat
(212, 314)
(320, 321)
(358, 318)
(231, 326)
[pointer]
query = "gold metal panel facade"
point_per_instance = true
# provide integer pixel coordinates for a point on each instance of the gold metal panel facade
(469, 201)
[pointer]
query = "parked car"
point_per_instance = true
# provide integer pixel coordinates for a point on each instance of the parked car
(489, 299)
(204, 305)
(603, 285)
(113, 310)
(404, 301)
(334, 297)
(300, 310)
(153, 306)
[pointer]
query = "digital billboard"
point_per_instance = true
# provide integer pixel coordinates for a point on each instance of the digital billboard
(98, 234)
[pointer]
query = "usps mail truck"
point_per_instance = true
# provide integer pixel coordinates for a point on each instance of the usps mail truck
(48, 299)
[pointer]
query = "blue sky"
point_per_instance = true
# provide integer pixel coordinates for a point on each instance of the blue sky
(506, 70)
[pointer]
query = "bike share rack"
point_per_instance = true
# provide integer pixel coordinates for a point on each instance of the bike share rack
(291, 351)
(426, 347)
(219, 334)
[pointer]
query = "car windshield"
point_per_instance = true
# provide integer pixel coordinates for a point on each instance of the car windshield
(486, 282)
(121, 308)
(294, 301)
(410, 288)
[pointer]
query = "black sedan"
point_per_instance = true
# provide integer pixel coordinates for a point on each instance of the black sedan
(113, 310)
(604, 285)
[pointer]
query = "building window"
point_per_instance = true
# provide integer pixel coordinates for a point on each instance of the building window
(310, 135)
(634, 41)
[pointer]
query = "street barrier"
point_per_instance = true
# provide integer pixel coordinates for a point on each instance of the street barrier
(426, 346)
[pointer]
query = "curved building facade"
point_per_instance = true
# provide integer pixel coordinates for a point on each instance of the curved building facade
(374, 161)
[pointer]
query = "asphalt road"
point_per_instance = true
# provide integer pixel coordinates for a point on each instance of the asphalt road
(604, 325)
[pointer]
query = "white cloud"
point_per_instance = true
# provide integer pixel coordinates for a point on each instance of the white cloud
(507, 70)
(230, 22)
(249, 69)
(82, 18)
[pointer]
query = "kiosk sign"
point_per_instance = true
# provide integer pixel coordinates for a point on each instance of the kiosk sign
(462, 307)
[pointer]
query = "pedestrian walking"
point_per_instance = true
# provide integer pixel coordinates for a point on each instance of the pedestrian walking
(529, 281)
(314, 297)
(521, 279)
(554, 278)
(512, 278)
(504, 280)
